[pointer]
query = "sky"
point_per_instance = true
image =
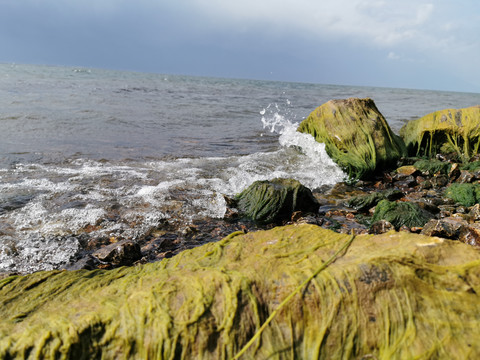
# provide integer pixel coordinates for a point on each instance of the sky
(416, 44)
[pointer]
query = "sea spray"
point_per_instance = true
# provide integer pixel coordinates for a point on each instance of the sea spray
(315, 168)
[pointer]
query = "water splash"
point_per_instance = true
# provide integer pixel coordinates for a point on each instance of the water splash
(315, 168)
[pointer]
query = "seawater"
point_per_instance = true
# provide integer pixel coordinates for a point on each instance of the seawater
(119, 152)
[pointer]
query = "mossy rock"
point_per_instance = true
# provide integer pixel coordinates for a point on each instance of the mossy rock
(433, 166)
(389, 296)
(401, 213)
(356, 136)
(365, 202)
(464, 194)
(273, 201)
(444, 131)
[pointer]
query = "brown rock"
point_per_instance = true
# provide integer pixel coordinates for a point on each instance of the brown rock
(475, 212)
(381, 227)
(454, 172)
(446, 228)
(465, 177)
(407, 170)
(122, 253)
(470, 234)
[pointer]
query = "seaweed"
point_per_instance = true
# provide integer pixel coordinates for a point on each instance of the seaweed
(392, 296)
(433, 166)
(365, 202)
(401, 214)
(463, 194)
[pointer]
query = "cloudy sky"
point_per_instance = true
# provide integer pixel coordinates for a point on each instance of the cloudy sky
(421, 44)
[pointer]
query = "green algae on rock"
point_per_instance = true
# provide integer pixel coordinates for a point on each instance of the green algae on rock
(464, 194)
(444, 131)
(401, 213)
(365, 202)
(356, 136)
(389, 296)
(433, 166)
(275, 200)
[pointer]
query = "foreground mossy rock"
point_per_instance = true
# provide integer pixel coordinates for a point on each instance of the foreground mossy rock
(401, 213)
(444, 131)
(273, 201)
(389, 296)
(356, 136)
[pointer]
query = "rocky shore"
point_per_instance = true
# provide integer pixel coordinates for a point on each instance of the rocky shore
(383, 265)
(435, 192)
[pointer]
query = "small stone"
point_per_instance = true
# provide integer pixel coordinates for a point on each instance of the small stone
(440, 181)
(122, 253)
(85, 263)
(296, 216)
(381, 227)
(475, 212)
(465, 177)
(427, 184)
(470, 234)
(454, 172)
(407, 170)
(189, 230)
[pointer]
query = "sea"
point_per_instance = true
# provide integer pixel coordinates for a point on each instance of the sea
(77, 142)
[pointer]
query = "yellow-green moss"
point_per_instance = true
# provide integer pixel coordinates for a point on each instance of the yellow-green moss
(356, 136)
(444, 131)
(390, 296)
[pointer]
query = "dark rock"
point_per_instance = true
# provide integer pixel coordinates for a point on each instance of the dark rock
(85, 263)
(426, 184)
(439, 181)
(122, 253)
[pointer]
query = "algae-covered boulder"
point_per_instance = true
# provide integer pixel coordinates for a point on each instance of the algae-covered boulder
(401, 214)
(356, 136)
(275, 200)
(389, 296)
(444, 131)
